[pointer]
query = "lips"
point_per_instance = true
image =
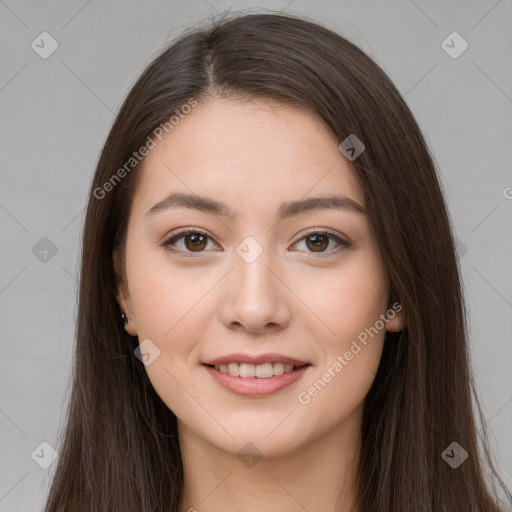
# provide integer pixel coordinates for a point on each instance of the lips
(254, 386)
(258, 375)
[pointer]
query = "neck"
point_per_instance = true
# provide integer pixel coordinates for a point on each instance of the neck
(317, 476)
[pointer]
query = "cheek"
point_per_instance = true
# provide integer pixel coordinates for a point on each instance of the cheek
(349, 304)
(345, 300)
(166, 297)
(170, 308)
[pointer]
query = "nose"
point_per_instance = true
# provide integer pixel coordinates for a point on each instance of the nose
(254, 297)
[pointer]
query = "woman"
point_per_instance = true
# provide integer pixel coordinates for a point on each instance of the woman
(270, 310)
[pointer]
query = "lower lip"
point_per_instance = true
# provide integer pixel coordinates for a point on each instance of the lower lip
(254, 386)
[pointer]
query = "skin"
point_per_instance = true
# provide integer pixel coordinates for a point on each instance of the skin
(294, 300)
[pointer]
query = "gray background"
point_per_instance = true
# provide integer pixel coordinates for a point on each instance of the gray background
(56, 113)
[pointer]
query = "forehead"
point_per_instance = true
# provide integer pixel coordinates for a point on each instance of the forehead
(247, 153)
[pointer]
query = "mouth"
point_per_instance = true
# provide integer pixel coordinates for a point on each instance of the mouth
(256, 380)
(260, 371)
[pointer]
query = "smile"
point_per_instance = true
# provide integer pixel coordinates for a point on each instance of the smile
(261, 371)
(255, 380)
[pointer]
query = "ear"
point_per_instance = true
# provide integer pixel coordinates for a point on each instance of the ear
(123, 295)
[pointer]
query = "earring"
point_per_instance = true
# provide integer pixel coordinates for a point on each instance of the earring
(398, 324)
(123, 318)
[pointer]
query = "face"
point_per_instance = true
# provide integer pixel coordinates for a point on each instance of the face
(255, 278)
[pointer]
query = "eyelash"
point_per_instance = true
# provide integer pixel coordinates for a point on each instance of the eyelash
(174, 237)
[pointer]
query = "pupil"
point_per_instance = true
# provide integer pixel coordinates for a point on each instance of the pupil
(318, 241)
(196, 240)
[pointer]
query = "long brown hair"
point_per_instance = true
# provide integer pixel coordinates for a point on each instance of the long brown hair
(119, 451)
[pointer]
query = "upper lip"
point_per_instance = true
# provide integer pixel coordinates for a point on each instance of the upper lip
(258, 359)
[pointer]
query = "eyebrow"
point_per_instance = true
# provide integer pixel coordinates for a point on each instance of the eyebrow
(287, 209)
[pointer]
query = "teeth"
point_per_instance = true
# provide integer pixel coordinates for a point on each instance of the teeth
(234, 369)
(262, 371)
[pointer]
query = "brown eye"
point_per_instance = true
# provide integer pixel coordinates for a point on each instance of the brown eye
(195, 242)
(317, 243)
